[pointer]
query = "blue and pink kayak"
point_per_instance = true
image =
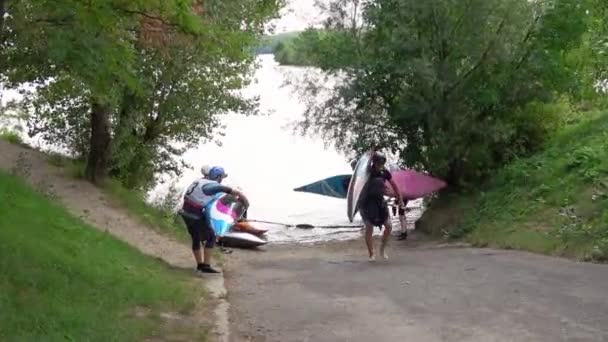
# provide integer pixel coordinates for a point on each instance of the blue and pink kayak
(223, 215)
(412, 185)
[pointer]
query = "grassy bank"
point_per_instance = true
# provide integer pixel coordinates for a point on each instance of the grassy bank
(160, 218)
(63, 280)
(11, 136)
(554, 202)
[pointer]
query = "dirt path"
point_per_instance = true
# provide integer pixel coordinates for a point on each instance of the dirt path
(88, 202)
(330, 292)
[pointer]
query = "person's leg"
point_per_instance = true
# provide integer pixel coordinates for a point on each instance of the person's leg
(388, 228)
(197, 256)
(207, 255)
(209, 245)
(402, 223)
(369, 230)
(195, 236)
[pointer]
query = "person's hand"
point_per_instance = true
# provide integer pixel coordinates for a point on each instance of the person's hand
(242, 197)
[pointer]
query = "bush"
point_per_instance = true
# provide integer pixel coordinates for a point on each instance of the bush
(11, 136)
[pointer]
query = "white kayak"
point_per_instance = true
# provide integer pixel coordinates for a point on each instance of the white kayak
(241, 240)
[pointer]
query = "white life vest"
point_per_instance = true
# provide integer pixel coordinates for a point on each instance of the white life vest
(195, 196)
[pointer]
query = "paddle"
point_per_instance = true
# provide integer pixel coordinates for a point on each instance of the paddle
(306, 225)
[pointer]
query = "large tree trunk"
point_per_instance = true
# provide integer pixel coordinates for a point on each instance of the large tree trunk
(99, 153)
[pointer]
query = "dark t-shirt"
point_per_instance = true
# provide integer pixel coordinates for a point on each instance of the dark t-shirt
(384, 174)
(375, 184)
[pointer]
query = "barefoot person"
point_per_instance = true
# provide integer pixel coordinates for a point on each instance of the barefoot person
(200, 193)
(373, 206)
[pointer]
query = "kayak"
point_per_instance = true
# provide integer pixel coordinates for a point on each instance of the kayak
(248, 227)
(223, 215)
(241, 240)
(411, 184)
(356, 185)
(335, 186)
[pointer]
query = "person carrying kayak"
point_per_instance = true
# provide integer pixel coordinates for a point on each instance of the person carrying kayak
(373, 206)
(200, 193)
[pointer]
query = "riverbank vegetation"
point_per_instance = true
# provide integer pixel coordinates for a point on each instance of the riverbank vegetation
(118, 83)
(64, 280)
(554, 201)
(475, 93)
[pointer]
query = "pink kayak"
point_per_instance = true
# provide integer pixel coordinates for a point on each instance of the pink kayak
(413, 185)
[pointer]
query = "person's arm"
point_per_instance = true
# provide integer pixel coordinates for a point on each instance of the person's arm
(396, 190)
(242, 197)
(214, 188)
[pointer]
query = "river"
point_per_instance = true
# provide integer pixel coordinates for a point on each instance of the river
(266, 159)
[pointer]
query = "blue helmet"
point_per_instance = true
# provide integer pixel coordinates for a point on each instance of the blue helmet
(217, 173)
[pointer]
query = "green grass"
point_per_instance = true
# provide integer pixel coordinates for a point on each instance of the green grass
(59, 160)
(65, 281)
(11, 136)
(554, 202)
(164, 221)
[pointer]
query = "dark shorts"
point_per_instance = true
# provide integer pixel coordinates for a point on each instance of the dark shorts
(374, 212)
(198, 229)
(401, 210)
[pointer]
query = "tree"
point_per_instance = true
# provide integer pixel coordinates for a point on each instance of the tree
(91, 42)
(451, 86)
(145, 73)
(189, 83)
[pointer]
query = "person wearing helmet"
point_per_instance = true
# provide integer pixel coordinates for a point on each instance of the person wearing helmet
(205, 170)
(200, 193)
(373, 207)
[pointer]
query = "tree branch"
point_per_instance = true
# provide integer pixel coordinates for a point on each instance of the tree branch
(146, 15)
(54, 21)
(477, 65)
(525, 40)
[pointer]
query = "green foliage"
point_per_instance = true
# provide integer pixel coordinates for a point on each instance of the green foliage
(60, 113)
(454, 87)
(64, 280)
(11, 136)
(586, 162)
(269, 44)
(57, 159)
(162, 71)
(313, 47)
(306, 48)
(77, 169)
(552, 202)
